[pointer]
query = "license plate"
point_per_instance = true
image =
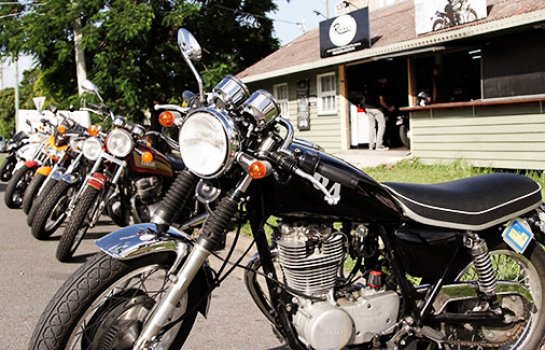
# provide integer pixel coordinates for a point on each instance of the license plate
(518, 235)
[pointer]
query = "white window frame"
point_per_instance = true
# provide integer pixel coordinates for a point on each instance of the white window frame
(321, 94)
(286, 101)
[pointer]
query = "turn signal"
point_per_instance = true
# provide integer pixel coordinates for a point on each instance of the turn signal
(166, 119)
(257, 170)
(92, 130)
(61, 129)
(147, 157)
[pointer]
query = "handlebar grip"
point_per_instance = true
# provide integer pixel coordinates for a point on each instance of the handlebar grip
(337, 175)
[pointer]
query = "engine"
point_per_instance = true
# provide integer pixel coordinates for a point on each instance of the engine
(148, 192)
(310, 258)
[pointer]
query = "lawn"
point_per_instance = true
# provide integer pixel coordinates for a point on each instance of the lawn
(413, 171)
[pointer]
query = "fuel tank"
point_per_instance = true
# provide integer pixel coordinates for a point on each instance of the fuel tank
(364, 200)
(158, 166)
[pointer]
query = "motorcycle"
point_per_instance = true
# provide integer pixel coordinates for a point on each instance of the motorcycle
(8, 166)
(472, 243)
(456, 12)
(128, 179)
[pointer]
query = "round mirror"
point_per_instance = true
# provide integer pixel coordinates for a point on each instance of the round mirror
(189, 45)
(89, 86)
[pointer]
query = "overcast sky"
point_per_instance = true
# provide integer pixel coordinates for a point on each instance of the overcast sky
(298, 11)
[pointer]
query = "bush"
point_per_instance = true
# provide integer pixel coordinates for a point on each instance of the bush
(7, 112)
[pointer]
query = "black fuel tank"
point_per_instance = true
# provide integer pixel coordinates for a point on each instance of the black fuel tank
(363, 201)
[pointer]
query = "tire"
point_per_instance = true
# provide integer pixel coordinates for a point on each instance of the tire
(6, 170)
(38, 201)
(404, 136)
(78, 224)
(55, 203)
(439, 24)
(85, 304)
(15, 190)
(503, 259)
(32, 191)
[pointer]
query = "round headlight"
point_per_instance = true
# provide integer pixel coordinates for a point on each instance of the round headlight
(208, 142)
(119, 143)
(91, 148)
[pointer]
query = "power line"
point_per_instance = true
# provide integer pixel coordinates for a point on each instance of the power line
(255, 15)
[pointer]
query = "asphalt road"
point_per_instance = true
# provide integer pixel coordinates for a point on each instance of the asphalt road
(30, 275)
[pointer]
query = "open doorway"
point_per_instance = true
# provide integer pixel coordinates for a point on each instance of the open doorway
(361, 80)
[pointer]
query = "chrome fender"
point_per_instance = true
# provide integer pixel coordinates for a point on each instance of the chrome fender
(142, 239)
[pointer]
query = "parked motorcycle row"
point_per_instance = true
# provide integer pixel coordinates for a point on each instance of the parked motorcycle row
(472, 244)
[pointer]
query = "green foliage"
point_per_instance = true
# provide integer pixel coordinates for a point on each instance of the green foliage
(7, 112)
(130, 47)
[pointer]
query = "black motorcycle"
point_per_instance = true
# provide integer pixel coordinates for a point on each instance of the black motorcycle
(8, 166)
(471, 247)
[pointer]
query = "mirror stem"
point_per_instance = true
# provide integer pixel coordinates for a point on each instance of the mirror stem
(202, 98)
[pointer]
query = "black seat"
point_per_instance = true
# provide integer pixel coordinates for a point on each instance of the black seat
(176, 162)
(475, 203)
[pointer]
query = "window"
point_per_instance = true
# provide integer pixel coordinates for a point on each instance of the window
(281, 93)
(327, 93)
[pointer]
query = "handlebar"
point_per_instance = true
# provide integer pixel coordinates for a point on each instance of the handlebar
(171, 107)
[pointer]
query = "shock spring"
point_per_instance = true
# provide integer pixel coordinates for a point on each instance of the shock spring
(483, 267)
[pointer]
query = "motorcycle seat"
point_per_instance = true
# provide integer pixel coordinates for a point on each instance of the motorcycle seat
(474, 203)
(176, 162)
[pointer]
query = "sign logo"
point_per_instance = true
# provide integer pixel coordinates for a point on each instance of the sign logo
(343, 30)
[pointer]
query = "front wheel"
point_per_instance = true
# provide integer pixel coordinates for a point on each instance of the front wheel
(104, 303)
(32, 191)
(6, 170)
(51, 213)
(528, 329)
(15, 190)
(79, 224)
(39, 199)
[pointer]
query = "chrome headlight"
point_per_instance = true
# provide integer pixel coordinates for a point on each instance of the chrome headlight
(76, 144)
(119, 143)
(91, 148)
(208, 141)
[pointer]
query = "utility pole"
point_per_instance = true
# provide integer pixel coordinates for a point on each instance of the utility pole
(327, 8)
(81, 70)
(16, 61)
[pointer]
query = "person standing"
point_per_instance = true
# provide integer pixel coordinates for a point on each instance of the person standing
(377, 100)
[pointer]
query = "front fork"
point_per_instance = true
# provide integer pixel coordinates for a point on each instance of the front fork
(210, 240)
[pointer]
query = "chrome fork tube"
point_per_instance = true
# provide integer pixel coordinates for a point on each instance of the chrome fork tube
(168, 303)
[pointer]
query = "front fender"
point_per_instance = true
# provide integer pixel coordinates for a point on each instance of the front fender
(141, 239)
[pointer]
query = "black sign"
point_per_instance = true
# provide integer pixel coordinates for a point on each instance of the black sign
(303, 111)
(345, 33)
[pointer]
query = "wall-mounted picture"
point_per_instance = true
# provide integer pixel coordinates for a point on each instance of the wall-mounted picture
(433, 15)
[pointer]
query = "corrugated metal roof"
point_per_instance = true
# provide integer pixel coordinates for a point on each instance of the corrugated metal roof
(392, 31)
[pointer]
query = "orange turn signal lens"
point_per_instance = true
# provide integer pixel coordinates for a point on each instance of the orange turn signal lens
(61, 129)
(257, 170)
(166, 119)
(147, 157)
(92, 130)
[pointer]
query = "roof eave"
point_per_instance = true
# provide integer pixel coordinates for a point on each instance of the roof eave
(462, 33)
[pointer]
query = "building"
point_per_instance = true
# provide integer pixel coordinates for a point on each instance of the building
(492, 68)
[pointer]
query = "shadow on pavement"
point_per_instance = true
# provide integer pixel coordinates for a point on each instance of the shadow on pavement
(80, 259)
(3, 186)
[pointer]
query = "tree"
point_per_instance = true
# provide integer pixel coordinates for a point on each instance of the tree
(130, 45)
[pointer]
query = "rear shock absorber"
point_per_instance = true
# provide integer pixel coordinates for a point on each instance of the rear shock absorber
(483, 265)
(174, 200)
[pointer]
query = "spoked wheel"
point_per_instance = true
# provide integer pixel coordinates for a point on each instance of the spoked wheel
(525, 328)
(79, 223)
(6, 170)
(105, 302)
(32, 191)
(52, 211)
(15, 190)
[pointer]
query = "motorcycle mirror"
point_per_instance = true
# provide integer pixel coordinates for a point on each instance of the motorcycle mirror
(52, 109)
(189, 45)
(28, 123)
(89, 86)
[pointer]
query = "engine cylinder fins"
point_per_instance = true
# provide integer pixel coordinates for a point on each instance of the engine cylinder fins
(148, 188)
(310, 272)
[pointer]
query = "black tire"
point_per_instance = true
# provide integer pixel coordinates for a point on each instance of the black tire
(6, 170)
(32, 191)
(38, 201)
(404, 135)
(91, 284)
(78, 224)
(15, 190)
(534, 255)
(48, 207)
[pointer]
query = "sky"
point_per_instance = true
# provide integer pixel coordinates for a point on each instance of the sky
(298, 11)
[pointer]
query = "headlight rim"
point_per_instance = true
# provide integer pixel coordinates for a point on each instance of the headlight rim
(230, 133)
(114, 152)
(87, 141)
